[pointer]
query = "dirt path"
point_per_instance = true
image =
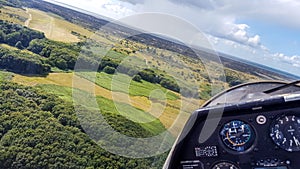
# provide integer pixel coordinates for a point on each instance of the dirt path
(27, 22)
(51, 25)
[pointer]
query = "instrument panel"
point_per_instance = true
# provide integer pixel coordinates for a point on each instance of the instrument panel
(263, 134)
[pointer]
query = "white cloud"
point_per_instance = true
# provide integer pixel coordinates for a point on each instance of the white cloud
(118, 9)
(239, 34)
(216, 17)
(254, 41)
(202, 4)
(277, 11)
(114, 9)
(210, 19)
(222, 20)
(293, 60)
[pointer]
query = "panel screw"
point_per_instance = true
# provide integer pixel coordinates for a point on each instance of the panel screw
(261, 119)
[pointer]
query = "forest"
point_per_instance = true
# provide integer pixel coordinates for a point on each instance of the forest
(63, 56)
(38, 130)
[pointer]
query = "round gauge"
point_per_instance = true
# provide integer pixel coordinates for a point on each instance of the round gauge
(225, 165)
(285, 133)
(237, 135)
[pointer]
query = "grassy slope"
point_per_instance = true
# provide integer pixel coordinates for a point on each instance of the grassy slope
(15, 15)
(61, 83)
(5, 76)
(65, 79)
(119, 81)
(144, 96)
(107, 105)
(54, 27)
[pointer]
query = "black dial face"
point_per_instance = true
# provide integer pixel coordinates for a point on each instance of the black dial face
(237, 135)
(225, 165)
(285, 133)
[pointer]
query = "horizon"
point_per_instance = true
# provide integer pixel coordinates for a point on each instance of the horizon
(258, 54)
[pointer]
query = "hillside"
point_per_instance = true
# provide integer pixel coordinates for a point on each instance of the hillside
(38, 130)
(95, 23)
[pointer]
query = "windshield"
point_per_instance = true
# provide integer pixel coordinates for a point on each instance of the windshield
(111, 83)
(253, 91)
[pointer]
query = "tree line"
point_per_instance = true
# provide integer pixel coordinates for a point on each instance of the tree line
(65, 55)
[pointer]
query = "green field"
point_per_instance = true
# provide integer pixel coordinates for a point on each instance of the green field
(119, 83)
(140, 108)
(153, 125)
(147, 101)
(143, 98)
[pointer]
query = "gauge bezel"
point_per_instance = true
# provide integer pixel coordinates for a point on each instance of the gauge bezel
(224, 161)
(232, 151)
(275, 121)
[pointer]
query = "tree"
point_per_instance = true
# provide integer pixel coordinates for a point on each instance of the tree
(36, 46)
(109, 70)
(61, 63)
(137, 78)
(21, 62)
(149, 75)
(13, 38)
(169, 84)
(233, 80)
(62, 58)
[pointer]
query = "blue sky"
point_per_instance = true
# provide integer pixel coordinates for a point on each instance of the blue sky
(263, 31)
(278, 37)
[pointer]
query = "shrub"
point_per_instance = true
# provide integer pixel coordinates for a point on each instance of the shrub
(109, 70)
(137, 78)
(169, 84)
(149, 75)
